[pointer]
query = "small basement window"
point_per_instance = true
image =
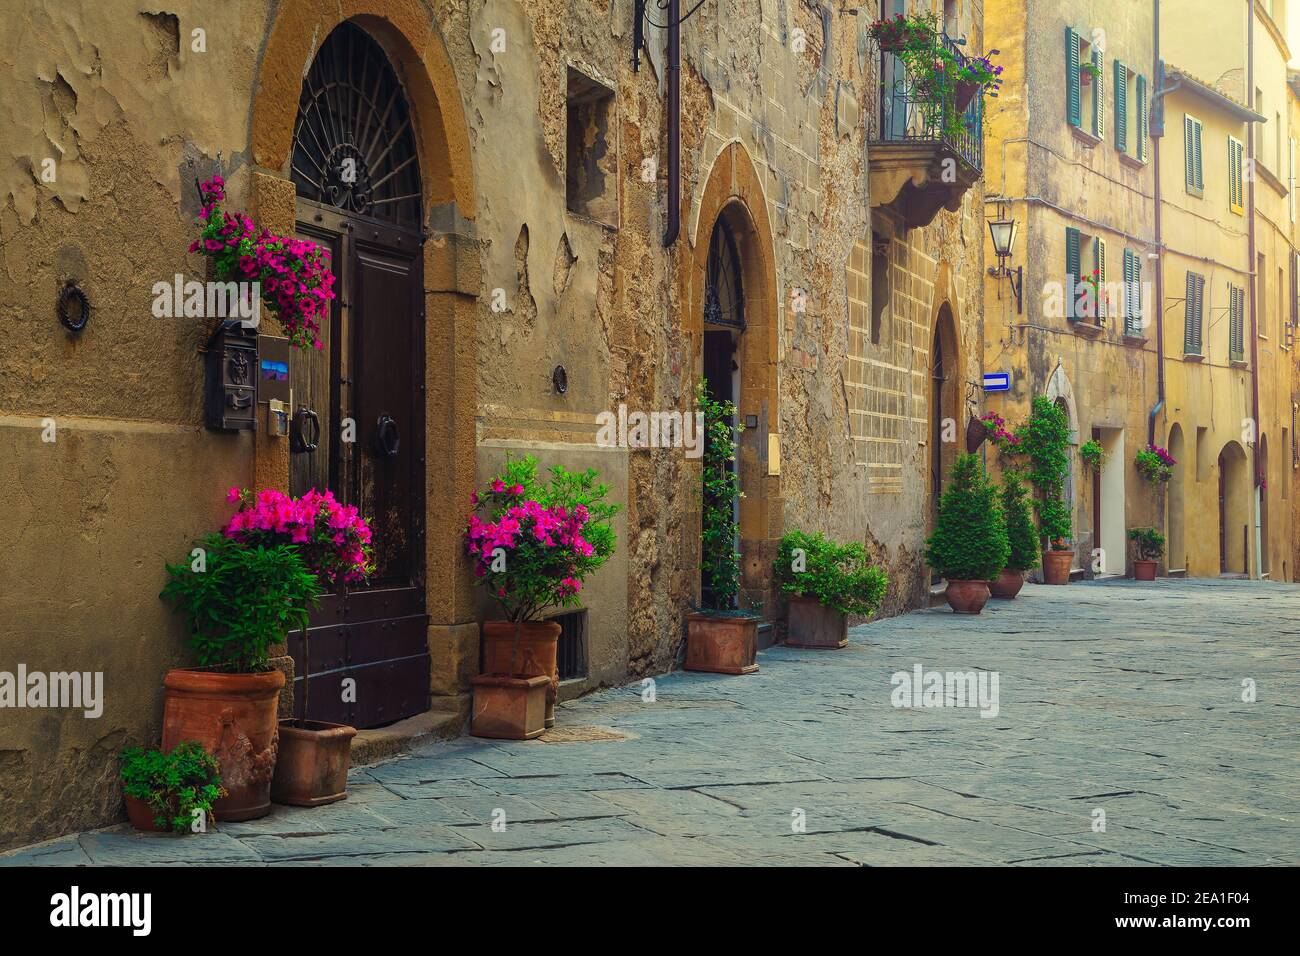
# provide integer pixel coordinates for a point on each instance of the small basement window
(571, 653)
(591, 171)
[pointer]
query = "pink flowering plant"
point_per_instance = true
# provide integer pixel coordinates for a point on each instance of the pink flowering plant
(999, 435)
(532, 543)
(1155, 464)
(294, 276)
(333, 539)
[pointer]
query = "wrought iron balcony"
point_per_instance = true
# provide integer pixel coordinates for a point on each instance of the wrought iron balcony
(926, 149)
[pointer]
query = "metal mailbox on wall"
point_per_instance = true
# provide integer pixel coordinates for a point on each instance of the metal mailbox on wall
(231, 372)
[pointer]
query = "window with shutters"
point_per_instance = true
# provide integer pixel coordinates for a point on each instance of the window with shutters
(1193, 161)
(1142, 131)
(1132, 293)
(1084, 89)
(1194, 314)
(1236, 324)
(1121, 107)
(1085, 278)
(1236, 176)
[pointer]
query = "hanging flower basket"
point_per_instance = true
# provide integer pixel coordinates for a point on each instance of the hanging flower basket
(976, 432)
(1155, 464)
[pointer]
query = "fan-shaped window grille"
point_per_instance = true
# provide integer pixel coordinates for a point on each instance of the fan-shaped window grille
(353, 145)
(724, 300)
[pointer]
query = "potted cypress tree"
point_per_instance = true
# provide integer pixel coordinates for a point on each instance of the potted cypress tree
(720, 638)
(969, 544)
(1148, 546)
(824, 582)
(538, 544)
(1045, 439)
(1022, 538)
(239, 599)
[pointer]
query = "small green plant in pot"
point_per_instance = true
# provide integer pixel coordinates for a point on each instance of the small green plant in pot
(1148, 548)
(969, 545)
(1045, 440)
(720, 638)
(1022, 538)
(238, 599)
(1092, 455)
(171, 791)
(824, 582)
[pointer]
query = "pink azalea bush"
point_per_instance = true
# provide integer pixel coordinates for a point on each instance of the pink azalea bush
(333, 539)
(537, 541)
(294, 276)
(1002, 437)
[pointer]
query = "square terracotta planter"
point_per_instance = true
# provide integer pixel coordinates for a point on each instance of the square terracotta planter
(813, 624)
(312, 767)
(508, 708)
(721, 644)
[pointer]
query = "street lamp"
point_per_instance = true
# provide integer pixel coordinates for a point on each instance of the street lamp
(1003, 233)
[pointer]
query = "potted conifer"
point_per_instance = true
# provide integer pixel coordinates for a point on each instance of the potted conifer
(720, 637)
(1045, 439)
(824, 582)
(539, 541)
(969, 544)
(1148, 546)
(1022, 538)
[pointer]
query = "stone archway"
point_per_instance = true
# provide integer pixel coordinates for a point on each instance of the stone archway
(1061, 392)
(946, 432)
(1175, 523)
(1235, 490)
(410, 38)
(1264, 563)
(733, 198)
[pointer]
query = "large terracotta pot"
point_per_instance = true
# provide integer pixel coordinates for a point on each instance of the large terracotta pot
(312, 768)
(536, 656)
(721, 644)
(141, 815)
(1056, 566)
(508, 708)
(813, 624)
(233, 717)
(967, 597)
(1007, 584)
(1144, 569)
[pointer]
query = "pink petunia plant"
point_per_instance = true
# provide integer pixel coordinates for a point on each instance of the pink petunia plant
(332, 538)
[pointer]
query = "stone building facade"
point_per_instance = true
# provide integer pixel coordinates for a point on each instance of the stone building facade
(530, 290)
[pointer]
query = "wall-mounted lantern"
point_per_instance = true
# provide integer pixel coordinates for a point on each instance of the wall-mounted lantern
(1003, 232)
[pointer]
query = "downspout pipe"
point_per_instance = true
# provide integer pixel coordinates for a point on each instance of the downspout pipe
(1254, 286)
(1158, 85)
(674, 223)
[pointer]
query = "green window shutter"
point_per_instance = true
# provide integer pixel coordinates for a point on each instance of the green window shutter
(1189, 158)
(1071, 271)
(1073, 91)
(1143, 119)
(1236, 325)
(1098, 99)
(1199, 168)
(1121, 107)
(1100, 310)
(1191, 330)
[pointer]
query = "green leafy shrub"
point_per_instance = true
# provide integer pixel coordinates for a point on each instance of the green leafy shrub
(1045, 440)
(970, 538)
(720, 560)
(838, 576)
(240, 599)
(1092, 455)
(174, 785)
(1147, 542)
(1054, 522)
(1022, 536)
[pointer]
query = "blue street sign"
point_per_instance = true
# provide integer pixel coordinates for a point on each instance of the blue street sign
(997, 381)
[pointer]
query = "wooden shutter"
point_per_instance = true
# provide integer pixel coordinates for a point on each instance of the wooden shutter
(1143, 120)
(1189, 168)
(1071, 271)
(1121, 107)
(1293, 313)
(1073, 92)
(1236, 177)
(1196, 153)
(1099, 306)
(1191, 316)
(1236, 324)
(1132, 293)
(1098, 99)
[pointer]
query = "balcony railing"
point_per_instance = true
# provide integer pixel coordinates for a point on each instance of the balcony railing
(913, 110)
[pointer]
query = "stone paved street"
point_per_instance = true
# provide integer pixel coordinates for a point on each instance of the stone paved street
(1118, 697)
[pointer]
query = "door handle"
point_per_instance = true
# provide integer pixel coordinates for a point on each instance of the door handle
(304, 421)
(387, 439)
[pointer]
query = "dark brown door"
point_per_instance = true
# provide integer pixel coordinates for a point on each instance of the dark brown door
(368, 652)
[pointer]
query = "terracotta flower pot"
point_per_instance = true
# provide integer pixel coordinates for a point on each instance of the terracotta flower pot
(1007, 584)
(965, 93)
(1144, 569)
(508, 708)
(721, 644)
(141, 816)
(312, 768)
(536, 656)
(967, 597)
(813, 624)
(233, 717)
(1056, 566)
(976, 432)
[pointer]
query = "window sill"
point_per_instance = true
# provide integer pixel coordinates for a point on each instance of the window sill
(1239, 363)
(1193, 357)
(1132, 161)
(1193, 191)
(1138, 341)
(1087, 328)
(1083, 136)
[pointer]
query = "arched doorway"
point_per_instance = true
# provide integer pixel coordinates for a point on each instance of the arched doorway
(355, 167)
(1234, 510)
(1176, 551)
(1263, 505)
(945, 405)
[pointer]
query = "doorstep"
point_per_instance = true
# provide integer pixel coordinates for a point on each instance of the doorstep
(446, 719)
(938, 594)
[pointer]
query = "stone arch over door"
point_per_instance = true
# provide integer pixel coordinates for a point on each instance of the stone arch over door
(944, 402)
(1175, 523)
(409, 37)
(733, 195)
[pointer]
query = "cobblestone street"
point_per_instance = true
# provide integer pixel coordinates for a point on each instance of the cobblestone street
(1117, 697)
